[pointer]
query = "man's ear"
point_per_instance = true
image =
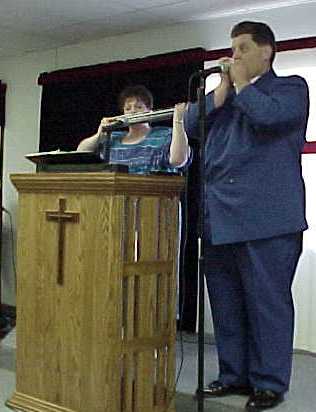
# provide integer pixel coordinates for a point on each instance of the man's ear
(267, 52)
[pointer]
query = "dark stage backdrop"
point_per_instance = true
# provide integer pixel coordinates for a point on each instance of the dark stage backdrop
(75, 100)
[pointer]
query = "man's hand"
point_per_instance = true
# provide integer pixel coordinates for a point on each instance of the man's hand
(239, 75)
(221, 92)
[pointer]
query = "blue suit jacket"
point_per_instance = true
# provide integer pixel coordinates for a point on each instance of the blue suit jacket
(254, 186)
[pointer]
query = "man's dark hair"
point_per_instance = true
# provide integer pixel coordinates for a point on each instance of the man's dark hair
(260, 32)
(140, 92)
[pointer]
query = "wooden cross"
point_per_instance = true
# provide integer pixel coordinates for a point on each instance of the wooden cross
(62, 217)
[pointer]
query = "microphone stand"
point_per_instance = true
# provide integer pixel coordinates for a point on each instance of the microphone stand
(103, 149)
(201, 102)
(201, 262)
(103, 146)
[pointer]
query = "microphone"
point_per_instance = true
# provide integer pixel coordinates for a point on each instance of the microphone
(221, 68)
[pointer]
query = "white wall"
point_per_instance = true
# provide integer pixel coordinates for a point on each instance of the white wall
(23, 94)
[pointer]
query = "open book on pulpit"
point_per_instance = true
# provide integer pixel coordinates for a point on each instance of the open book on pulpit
(72, 161)
(59, 156)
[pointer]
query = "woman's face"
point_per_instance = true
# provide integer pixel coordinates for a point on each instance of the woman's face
(134, 105)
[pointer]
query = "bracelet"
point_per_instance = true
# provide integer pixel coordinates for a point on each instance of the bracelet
(178, 121)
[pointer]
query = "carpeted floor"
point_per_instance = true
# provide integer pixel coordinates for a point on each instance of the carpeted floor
(301, 397)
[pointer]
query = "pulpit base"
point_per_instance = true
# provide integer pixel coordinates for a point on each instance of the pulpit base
(20, 402)
(24, 403)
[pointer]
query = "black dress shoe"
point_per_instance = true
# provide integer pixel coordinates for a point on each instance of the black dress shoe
(263, 399)
(217, 388)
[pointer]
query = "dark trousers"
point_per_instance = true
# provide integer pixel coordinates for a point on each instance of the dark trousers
(249, 285)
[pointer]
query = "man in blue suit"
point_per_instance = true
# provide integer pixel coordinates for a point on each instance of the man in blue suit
(255, 215)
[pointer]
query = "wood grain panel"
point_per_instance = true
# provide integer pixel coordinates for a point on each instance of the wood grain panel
(104, 339)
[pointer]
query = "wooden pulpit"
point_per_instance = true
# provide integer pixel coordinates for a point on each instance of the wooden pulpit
(96, 292)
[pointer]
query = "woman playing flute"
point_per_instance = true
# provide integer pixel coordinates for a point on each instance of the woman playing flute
(145, 149)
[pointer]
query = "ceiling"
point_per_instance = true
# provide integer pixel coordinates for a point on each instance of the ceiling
(33, 25)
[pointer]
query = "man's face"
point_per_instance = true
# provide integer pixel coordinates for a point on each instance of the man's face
(255, 58)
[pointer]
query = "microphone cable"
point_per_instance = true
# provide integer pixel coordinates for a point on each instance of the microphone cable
(183, 243)
(12, 243)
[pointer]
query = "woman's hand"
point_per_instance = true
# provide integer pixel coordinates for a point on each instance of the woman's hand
(90, 143)
(179, 110)
(179, 148)
(105, 121)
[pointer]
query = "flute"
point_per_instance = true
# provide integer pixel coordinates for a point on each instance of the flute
(129, 119)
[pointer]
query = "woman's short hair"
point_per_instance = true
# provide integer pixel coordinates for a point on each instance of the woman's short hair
(140, 92)
(260, 32)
